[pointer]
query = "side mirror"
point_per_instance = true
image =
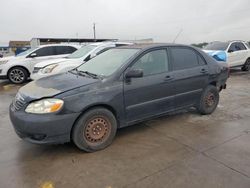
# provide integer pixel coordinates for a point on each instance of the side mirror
(33, 55)
(87, 58)
(92, 56)
(230, 51)
(134, 73)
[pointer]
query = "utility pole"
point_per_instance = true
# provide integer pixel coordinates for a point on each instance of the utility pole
(94, 31)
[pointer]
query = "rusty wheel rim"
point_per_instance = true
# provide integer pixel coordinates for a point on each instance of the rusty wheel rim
(97, 130)
(210, 99)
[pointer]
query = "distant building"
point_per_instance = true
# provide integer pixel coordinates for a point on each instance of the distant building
(19, 46)
(41, 41)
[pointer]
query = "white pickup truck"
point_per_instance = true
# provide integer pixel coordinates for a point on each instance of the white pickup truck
(235, 53)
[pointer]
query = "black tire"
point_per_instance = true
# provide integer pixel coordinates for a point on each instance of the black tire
(246, 66)
(94, 130)
(17, 75)
(209, 100)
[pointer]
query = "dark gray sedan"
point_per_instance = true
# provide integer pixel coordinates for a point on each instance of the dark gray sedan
(118, 88)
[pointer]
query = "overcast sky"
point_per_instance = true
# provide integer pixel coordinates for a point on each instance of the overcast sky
(162, 20)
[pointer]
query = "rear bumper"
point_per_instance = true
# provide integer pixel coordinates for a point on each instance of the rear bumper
(43, 129)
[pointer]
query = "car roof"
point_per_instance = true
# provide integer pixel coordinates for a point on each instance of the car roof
(236, 41)
(63, 44)
(152, 45)
(109, 43)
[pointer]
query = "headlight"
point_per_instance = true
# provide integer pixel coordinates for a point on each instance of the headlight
(3, 62)
(49, 68)
(44, 106)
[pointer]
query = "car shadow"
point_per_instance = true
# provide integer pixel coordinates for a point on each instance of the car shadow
(237, 72)
(31, 151)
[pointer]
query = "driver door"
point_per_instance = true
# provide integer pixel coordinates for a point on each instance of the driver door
(153, 93)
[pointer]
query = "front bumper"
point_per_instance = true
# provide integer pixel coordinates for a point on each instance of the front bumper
(43, 128)
(38, 75)
(3, 77)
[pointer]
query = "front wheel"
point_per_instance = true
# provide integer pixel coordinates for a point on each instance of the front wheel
(94, 130)
(209, 100)
(17, 75)
(246, 66)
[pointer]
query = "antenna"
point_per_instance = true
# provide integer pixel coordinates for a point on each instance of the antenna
(177, 35)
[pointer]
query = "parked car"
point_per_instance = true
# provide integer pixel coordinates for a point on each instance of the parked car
(18, 68)
(117, 88)
(235, 53)
(51, 67)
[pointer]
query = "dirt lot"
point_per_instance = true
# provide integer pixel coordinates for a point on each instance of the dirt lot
(182, 150)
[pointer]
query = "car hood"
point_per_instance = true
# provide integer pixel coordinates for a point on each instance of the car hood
(218, 55)
(49, 62)
(54, 85)
(69, 63)
(9, 58)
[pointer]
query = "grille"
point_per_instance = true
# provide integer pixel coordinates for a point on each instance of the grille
(18, 102)
(36, 69)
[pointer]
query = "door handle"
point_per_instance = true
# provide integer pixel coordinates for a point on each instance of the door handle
(168, 78)
(203, 71)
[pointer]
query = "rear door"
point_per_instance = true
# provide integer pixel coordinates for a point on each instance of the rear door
(243, 53)
(153, 93)
(190, 73)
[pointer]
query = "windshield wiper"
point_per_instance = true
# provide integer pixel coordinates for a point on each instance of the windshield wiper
(84, 73)
(89, 74)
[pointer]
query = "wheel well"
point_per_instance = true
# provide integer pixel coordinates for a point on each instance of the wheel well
(108, 107)
(19, 67)
(247, 59)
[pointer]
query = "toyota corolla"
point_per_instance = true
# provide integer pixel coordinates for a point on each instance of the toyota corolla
(118, 88)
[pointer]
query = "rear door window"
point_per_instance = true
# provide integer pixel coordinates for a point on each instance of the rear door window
(184, 58)
(241, 46)
(64, 50)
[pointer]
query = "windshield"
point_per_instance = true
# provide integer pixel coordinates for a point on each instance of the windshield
(26, 52)
(81, 52)
(217, 46)
(107, 62)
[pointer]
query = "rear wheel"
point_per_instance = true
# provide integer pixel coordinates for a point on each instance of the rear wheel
(95, 130)
(246, 66)
(209, 100)
(17, 75)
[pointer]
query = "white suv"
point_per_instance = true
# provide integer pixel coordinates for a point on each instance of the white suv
(51, 67)
(18, 68)
(235, 53)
